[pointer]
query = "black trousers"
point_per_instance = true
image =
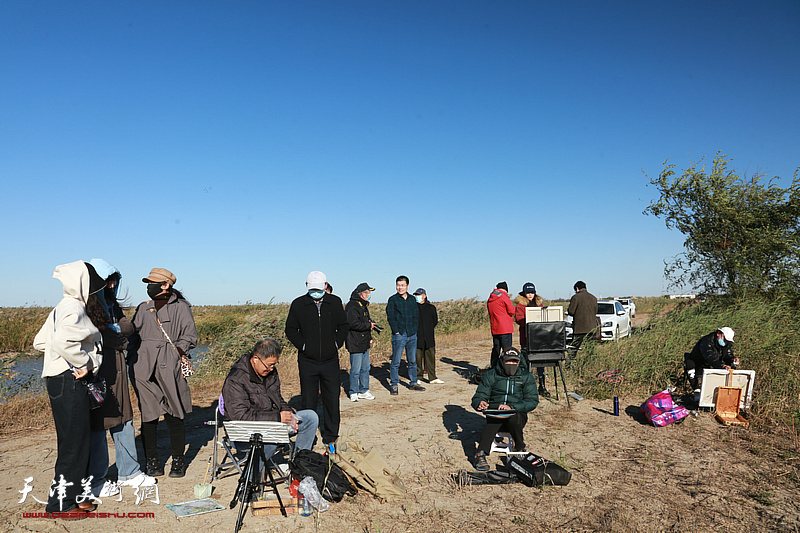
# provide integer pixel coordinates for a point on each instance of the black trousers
(177, 437)
(500, 343)
(513, 425)
(324, 378)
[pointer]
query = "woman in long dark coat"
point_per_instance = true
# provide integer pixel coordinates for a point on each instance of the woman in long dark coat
(166, 330)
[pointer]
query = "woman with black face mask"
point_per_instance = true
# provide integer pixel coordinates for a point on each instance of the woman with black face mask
(166, 331)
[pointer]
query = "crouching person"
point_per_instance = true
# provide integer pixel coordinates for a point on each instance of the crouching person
(507, 386)
(714, 350)
(252, 391)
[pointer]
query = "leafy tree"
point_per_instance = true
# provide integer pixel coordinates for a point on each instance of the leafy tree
(742, 233)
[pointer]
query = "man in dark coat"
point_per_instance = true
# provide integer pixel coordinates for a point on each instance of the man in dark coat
(252, 391)
(317, 327)
(426, 340)
(583, 309)
(714, 350)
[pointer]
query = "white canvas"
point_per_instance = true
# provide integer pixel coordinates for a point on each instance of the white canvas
(713, 378)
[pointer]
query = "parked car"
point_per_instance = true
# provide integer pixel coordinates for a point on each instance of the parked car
(615, 321)
(629, 305)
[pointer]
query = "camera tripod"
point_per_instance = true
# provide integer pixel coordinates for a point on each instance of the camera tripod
(252, 481)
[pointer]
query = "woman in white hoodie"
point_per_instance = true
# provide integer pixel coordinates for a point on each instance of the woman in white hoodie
(71, 342)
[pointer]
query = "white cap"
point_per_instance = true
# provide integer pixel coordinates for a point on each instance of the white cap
(316, 280)
(727, 333)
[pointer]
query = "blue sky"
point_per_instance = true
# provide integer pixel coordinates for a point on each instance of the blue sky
(461, 143)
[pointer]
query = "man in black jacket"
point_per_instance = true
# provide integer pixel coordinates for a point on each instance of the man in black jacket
(714, 350)
(252, 391)
(317, 326)
(426, 340)
(359, 339)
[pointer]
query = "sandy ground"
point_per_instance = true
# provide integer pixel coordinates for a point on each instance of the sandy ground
(627, 475)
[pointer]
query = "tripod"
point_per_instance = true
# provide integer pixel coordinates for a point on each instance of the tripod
(252, 481)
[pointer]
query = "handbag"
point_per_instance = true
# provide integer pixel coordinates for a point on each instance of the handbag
(186, 365)
(96, 387)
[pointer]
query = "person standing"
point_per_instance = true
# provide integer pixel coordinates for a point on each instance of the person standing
(426, 340)
(70, 339)
(358, 342)
(528, 298)
(116, 413)
(317, 326)
(403, 317)
(166, 331)
(501, 319)
(583, 310)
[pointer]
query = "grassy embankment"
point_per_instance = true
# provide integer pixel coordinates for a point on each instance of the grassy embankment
(766, 333)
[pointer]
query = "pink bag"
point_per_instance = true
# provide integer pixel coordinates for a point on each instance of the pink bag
(660, 410)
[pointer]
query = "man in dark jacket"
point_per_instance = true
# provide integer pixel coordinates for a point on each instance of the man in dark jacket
(403, 317)
(358, 342)
(507, 386)
(583, 309)
(426, 340)
(317, 326)
(714, 350)
(252, 391)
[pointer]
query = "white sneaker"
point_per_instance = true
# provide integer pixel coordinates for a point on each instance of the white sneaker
(109, 489)
(365, 396)
(141, 480)
(354, 397)
(437, 381)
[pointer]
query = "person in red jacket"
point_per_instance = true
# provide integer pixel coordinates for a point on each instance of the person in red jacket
(501, 318)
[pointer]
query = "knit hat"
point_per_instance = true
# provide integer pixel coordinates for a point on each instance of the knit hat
(503, 285)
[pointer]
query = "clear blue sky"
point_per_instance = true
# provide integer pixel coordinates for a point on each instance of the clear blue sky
(461, 143)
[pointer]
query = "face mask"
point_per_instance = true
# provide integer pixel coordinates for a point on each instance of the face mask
(153, 289)
(721, 342)
(368, 297)
(419, 298)
(317, 295)
(510, 368)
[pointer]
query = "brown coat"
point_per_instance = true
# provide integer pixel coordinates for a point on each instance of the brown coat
(155, 365)
(583, 308)
(116, 407)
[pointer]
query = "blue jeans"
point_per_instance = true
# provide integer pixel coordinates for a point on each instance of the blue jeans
(69, 401)
(125, 450)
(307, 422)
(359, 372)
(402, 341)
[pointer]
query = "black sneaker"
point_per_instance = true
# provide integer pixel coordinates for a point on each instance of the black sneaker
(480, 462)
(154, 468)
(417, 386)
(543, 392)
(178, 467)
(394, 391)
(522, 448)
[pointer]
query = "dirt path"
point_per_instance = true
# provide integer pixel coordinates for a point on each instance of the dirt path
(627, 476)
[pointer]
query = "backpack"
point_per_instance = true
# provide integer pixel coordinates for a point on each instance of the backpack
(332, 482)
(368, 469)
(535, 471)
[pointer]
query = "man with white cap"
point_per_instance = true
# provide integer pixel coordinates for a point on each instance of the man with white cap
(317, 326)
(714, 350)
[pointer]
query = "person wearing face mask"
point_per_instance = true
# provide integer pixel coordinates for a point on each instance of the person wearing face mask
(317, 326)
(358, 342)
(714, 350)
(166, 331)
(426, 340)
(506, 387)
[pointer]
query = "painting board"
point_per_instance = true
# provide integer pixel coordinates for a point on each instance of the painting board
(552, 313)
(713, 378)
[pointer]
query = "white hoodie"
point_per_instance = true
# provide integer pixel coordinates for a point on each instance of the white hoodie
(68, 335)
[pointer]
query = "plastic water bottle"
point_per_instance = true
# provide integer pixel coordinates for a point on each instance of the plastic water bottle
(303, 505)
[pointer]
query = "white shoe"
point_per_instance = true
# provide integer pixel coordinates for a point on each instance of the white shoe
(109, 489)
(365, 396)
(141, 480)
(354, 397)
(437, 381)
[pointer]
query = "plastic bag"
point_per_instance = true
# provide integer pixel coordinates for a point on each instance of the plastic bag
(660, 410)
(309, 489)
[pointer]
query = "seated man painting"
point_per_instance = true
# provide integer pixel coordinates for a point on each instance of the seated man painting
(508, 386)
(714, 350)
(252, 391)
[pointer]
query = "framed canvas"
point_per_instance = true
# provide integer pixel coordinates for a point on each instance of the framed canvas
(713, 378)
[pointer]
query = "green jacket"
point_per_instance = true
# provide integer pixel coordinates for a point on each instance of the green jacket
(517, 391)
